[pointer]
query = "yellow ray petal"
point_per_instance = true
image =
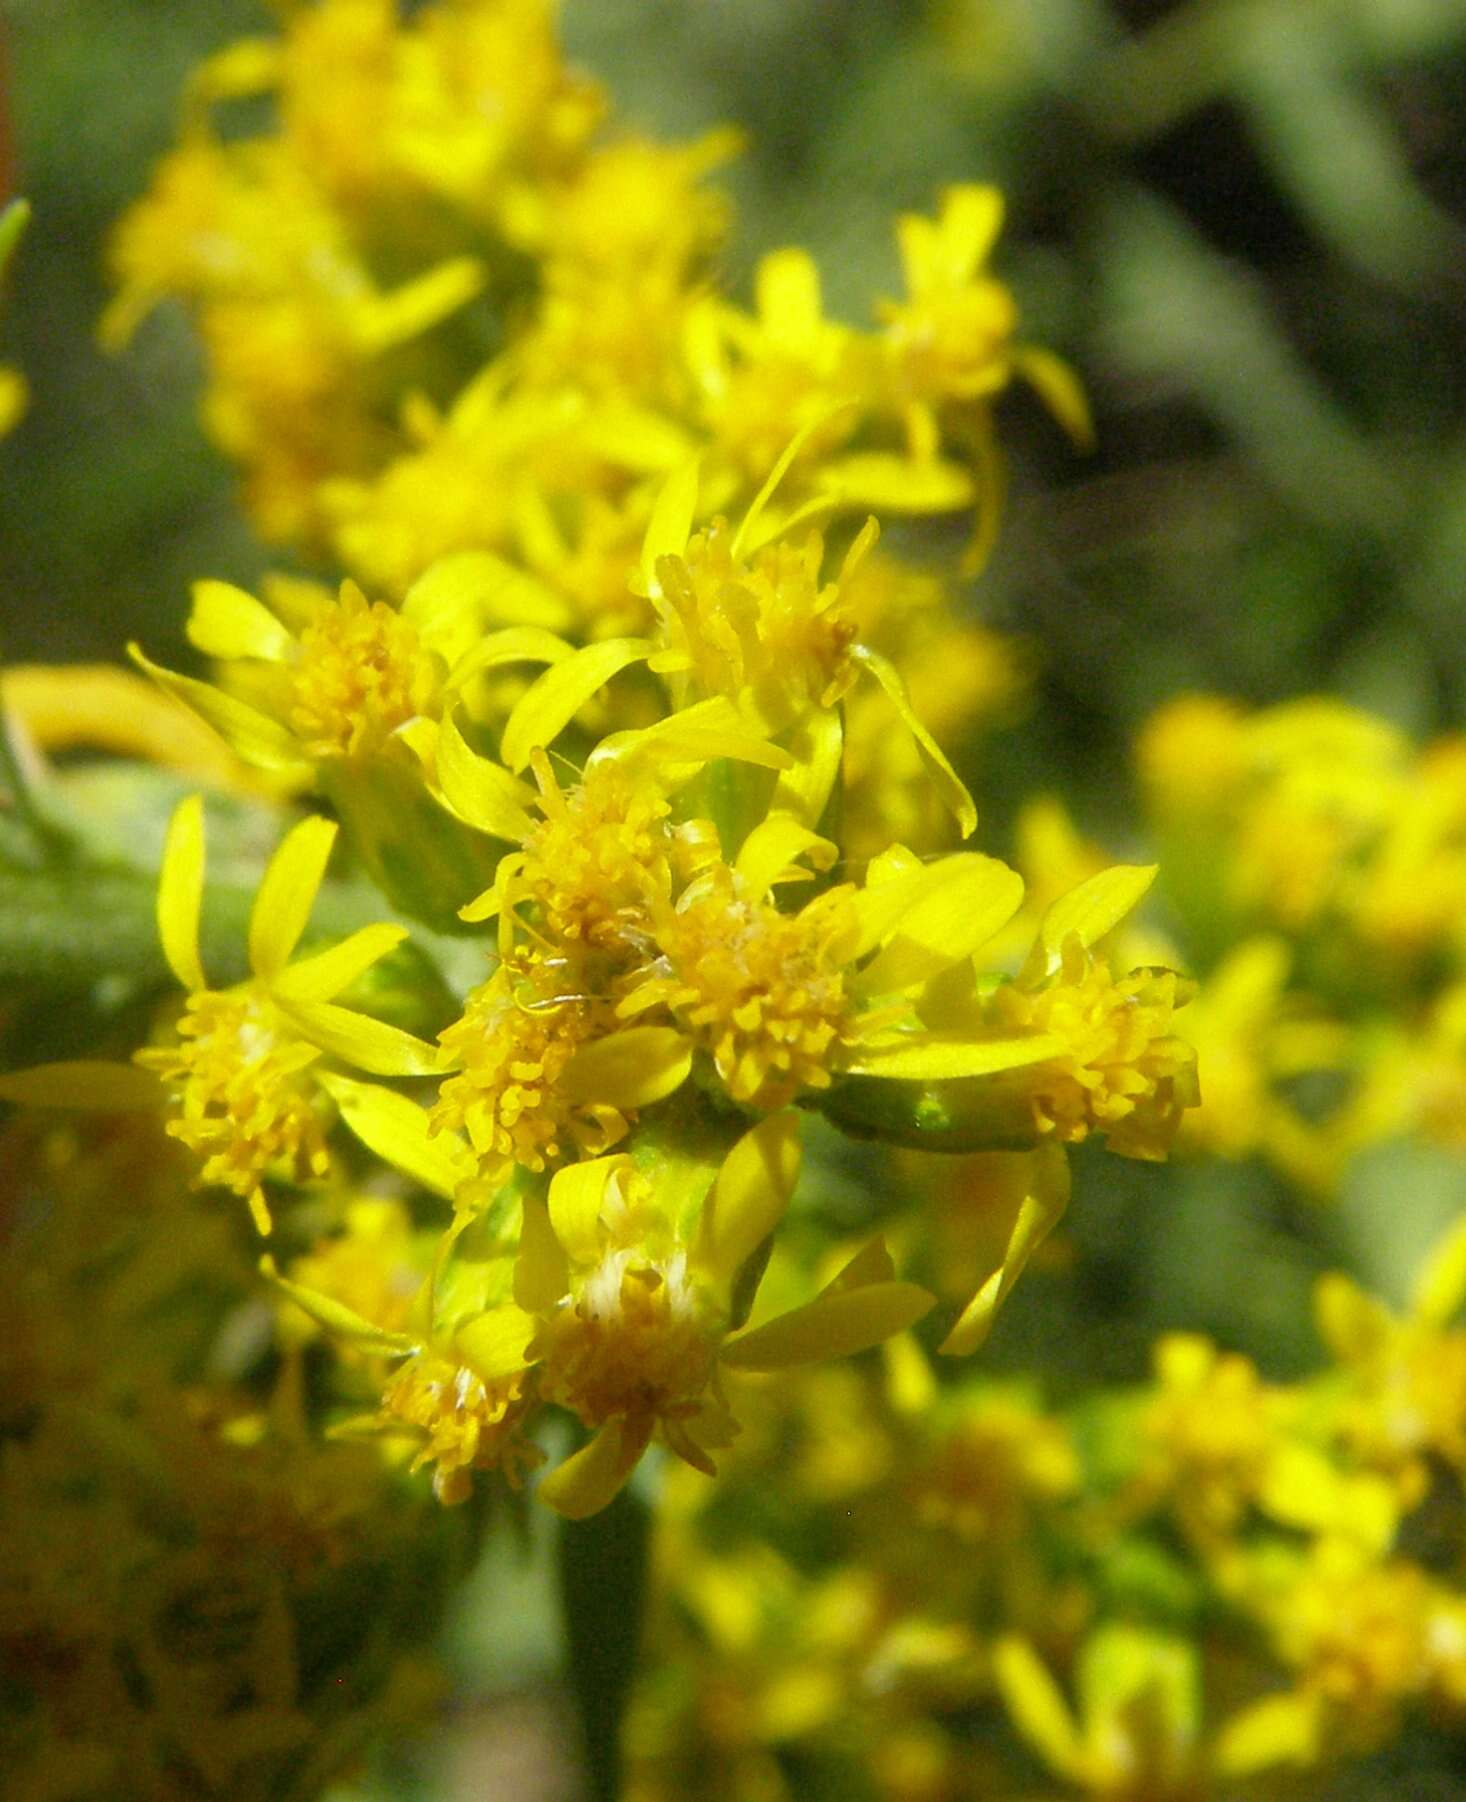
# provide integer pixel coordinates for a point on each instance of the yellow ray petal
(362, 1042)
(254, 735)
(596, 1474)
(181, 893)
(1087, 913)
(228, 622)
(575, 1199)
(949, 786)
(923, 1058)
(287, 894)
(1037, 1705)
(1034, 1187)
(767, 856)
(494, 1344)
(396, 1129)
(550, 703)
(955, 906)
(345, 1323)
(482, 794)
(541, 1271)
(670, 525)
(748, 1198)
(629, 1069)
(836, 1324)
(323, 975)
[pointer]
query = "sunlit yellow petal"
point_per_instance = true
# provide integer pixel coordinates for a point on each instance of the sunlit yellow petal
(1033, 1189)
(396, 1129)
(893, 484)
(1087, 913)
(749, 1197)
(576, 1193)
(670, 525)
(949, 786)
(478, 585)
(336, 1317)
(287, 894)
(1276, 1730)
(1037, 1705)
(393, 318)
(102, 707)
(956, 906)
(494, 1344)
(922, 1058)
(323, 975)
(1059, 389)
(227, 622)
(362, 1042)
(181, 893)
(550, 703)
(586, 1482)
(629, 1069)
(835, 1325)
(541, 1271)
(481, 793)
(254, 735)
(1441, 1284)
(767, 856)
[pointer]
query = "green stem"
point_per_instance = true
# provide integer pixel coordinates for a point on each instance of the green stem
(603, 1580)
(73, 925)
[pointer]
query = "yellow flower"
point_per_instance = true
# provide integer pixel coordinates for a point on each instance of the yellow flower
(1122, 1070)
(768, 377)
(1405, 1400)
(240, 1078)
(636, 1294)
(762, 991)
(460, 1394)
(1136, 1731)
(514, 1048)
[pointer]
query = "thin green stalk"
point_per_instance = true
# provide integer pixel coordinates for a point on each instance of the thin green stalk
(603, 1581)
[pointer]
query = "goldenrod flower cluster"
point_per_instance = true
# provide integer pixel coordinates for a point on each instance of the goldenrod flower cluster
(595, 1053)
(1316, 860)
(1209, 1586)
(612, 635)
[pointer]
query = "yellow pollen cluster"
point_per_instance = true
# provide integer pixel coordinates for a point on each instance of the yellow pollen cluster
(630, 1344)
(240, 1102)
(765, 628)
(764, 992)
(597, 859)
(468, 1424)
(513, 1043)
(1125, 1074)
(362, 673)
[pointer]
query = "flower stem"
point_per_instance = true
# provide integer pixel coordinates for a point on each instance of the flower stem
(603, 1576)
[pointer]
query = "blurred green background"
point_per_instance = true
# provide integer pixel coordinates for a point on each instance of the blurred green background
(1244, 222)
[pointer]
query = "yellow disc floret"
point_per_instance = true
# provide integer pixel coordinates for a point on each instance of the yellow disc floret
(1125, 1073)
(601, 855)
(633, 1341)
(465, 1422)
(762, 991)
(361, 674)
(239, 1100)
(516, 1037)
(763, 630)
